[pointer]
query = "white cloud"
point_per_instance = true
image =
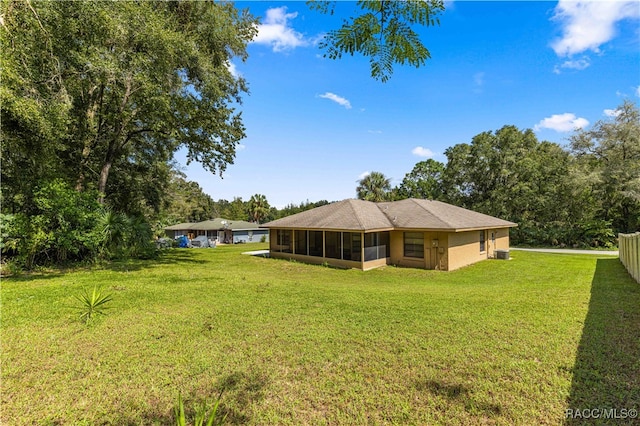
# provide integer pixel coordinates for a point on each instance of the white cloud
(587, 24)
(638, 91)
(375, 132)
(422, 152)
(566, 122)
(240, 147)
(233, 70)
(276, 31)
(611, 112)
(363, 175)
(337, 99)
(578, 64)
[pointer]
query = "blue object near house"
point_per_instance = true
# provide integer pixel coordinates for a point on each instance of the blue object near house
(183, 242)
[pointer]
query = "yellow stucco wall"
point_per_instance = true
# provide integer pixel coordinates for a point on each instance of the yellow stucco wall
(435, 257)
(454, 250)
(464, 247)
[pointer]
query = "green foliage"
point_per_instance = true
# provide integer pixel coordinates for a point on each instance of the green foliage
(258, 207)
(68, 225)
(8, 239)
(185, 201)
(383, 32)
(290, 209)
(112, 227)
(139, 238)
(200, 414)
(374, 187)
(118, 87)
(59, 227)
(234, 210)
(92, 304)
(424, 181)
(608, 156)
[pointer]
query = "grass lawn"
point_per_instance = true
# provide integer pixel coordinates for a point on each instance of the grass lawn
(499, 342)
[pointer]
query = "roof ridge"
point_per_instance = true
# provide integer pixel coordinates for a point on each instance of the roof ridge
(355, 212)
(420, 205)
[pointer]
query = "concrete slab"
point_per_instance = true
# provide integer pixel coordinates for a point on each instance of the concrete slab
(263, 253)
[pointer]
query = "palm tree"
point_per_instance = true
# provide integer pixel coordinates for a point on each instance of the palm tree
(258, 207)
(374, 187)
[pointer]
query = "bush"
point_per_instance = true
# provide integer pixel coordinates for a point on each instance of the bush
(92, 304)
(59, 229)
(68, 225)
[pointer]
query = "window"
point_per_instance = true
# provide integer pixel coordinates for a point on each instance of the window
(414, 244)
(375, 245)
(301, 242)
(352, 247)
(282, 241)
(482, 242)
(333, 244)
(315, 243)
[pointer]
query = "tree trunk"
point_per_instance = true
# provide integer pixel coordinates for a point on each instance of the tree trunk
(102, 183)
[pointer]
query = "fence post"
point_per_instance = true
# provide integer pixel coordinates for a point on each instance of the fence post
(629, 253)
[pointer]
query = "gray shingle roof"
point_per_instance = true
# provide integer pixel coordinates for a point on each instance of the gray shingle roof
(348, 215)
(180, 226)
(428, 214)
(359, 215)
(214, 224)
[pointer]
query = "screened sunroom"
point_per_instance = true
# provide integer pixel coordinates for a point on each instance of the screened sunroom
(362, 250)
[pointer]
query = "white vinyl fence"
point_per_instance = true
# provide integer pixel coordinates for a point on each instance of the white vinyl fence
(629, 245)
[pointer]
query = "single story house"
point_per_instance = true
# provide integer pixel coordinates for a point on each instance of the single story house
(178, 229)
(221, 230)
(365, 235)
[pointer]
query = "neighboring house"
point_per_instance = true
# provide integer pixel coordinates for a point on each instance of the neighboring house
(365, 235)
(175, 231)
(221, 230)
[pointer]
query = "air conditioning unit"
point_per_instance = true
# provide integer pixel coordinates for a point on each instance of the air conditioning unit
(502, 254)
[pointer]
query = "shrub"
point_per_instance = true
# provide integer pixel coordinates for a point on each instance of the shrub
(200, 414)
(92, 304)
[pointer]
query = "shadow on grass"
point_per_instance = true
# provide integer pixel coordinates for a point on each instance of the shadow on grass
(237, 392)
(243, 388)
(606, 374)
(460, 394)
(166, 257)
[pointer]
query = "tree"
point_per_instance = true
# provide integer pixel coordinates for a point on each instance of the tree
(258, 207)
(290, 209)
(511, 175)
(424, 181)
(610, 153)
(118, 79)
(235, 210)
(374, 187)
(185, 201)
(383, 32)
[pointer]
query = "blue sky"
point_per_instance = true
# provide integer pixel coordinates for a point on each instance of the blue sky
(315, 126)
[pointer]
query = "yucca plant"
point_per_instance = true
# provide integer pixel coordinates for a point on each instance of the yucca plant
(201, 414)
(92, 304)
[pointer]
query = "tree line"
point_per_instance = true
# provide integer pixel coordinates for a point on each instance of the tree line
(97, 97)
(583, 194)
